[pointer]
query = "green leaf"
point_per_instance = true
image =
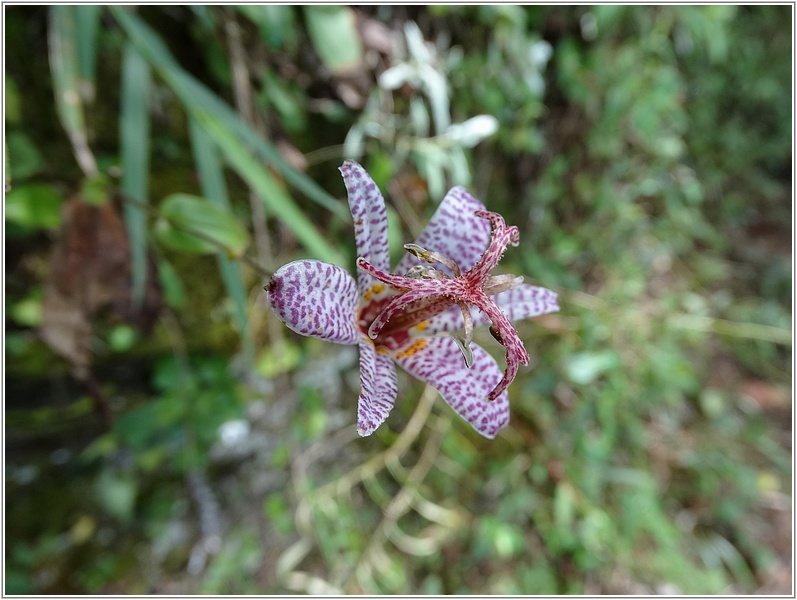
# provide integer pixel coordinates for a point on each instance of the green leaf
(195, 224)
(87, 21)
(334, 36)
(13, 102)
(134, 141)
(94, 190)
(24, 159)
(64, 66)
(275, 199)
(27, 311)
(35, 205)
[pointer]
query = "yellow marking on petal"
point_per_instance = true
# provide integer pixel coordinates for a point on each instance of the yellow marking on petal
(382, 350)
(374, 289)
(421, 326)
(418, 345)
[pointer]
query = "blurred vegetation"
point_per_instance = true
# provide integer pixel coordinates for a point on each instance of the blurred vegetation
(165, 433)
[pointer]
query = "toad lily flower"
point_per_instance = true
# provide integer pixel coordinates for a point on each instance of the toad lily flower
(422, 316)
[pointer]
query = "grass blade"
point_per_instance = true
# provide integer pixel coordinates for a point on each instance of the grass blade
(134, 142)
(63, 45)
(87, 21)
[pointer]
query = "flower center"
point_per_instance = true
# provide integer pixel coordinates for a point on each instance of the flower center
(425, 291)
(396, 332)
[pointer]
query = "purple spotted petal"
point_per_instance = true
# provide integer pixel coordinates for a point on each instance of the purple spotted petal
(438, 361)
(379, 389)
(453, 231)
(370, 220)
(522, 302)
(315, 298)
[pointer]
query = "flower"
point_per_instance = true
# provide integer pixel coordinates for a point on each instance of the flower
(441, 286)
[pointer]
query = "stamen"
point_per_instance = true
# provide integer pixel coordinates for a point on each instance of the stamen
(431, 256)
(424, 272)
(397, 303)
(415, 313)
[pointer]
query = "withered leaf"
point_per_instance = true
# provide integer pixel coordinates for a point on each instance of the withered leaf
(90, 271)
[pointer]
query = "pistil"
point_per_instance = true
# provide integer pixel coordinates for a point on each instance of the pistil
(426, 290)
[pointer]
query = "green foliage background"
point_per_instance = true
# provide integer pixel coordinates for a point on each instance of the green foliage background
(644, 153)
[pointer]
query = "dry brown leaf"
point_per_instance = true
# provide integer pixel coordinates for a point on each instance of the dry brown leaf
(90, 270)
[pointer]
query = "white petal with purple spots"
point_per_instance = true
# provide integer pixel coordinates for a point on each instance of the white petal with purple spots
(379, 388)
(317, 299)
(438, 362)
(453, 231)
(370, 220)
(525, 301)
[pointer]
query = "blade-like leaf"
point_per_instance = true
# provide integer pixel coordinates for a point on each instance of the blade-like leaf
(275, 199)
(195, 224)
(215, 189)
(134, 142)
(66, 83)
(87, 21)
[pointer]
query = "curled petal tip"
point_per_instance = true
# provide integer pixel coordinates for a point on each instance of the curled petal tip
(514, 235)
